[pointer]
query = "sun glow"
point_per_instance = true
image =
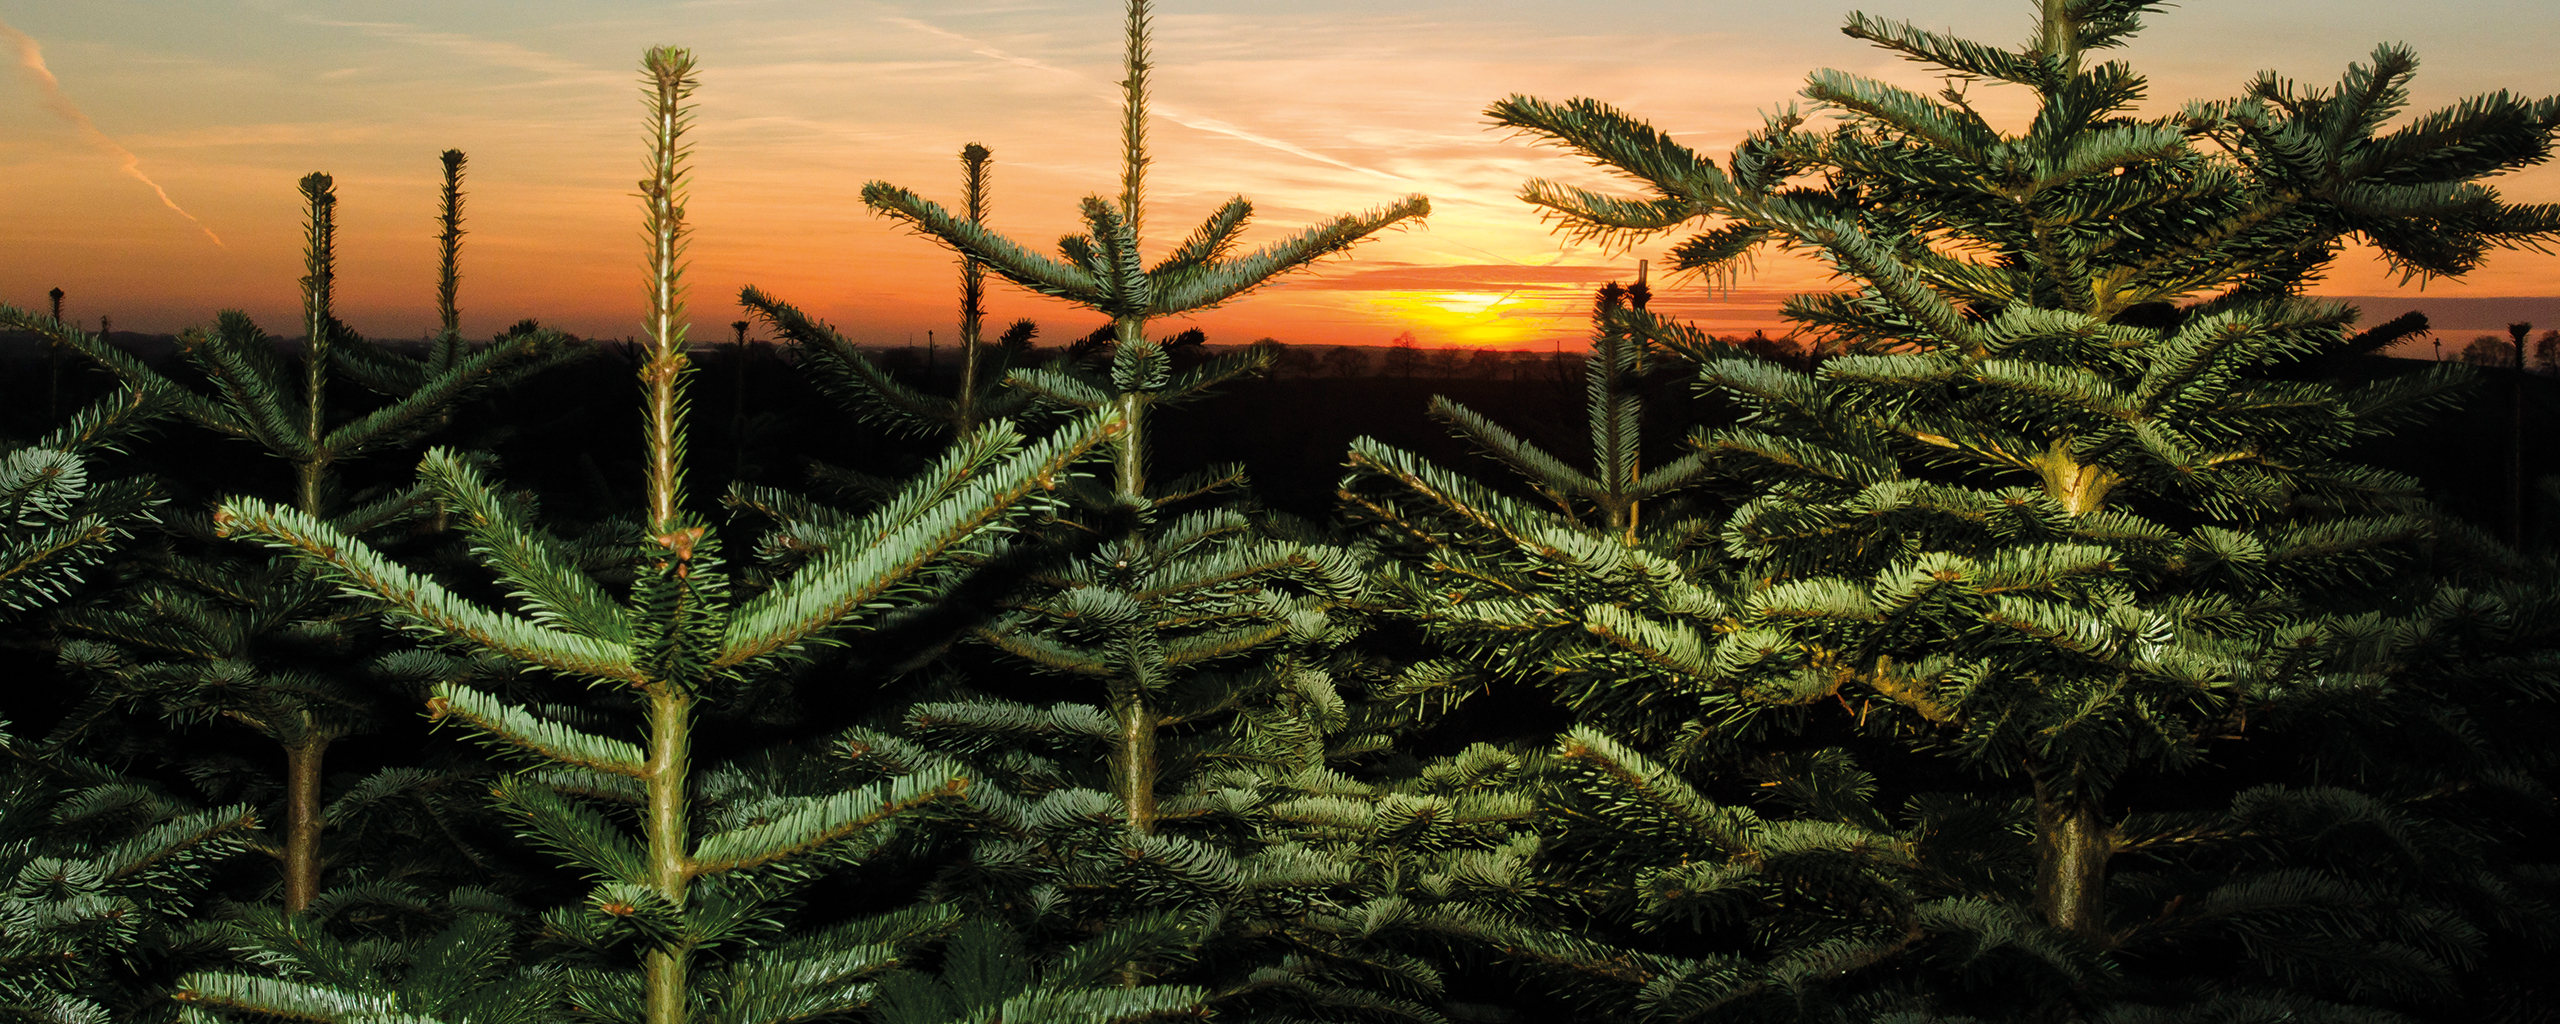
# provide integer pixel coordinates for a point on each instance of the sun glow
(1474, 319)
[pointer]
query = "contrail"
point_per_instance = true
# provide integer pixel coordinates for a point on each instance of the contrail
(32, 58)
(1211, 124)
(1175, 115)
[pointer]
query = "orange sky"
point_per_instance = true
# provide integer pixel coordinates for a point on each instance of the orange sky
(1310, 108)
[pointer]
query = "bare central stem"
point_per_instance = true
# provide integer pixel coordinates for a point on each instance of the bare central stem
(2058, 34)
(671, 76)
(2072, 849)
(1129, 452)
(305, 754)
(1133, 760)
(2080, 487)
(671, 870)
(302, 821)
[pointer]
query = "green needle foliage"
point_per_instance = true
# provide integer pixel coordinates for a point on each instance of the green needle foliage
(100, 871)
(1301, 889)
(862, 385)
(1549, 592)
(690, 897)
(222, 634)
(987, 976)
(57, 524)
(102, 874)
(449, 250)
(2038, 522)
(465, 973)
(1533, 590)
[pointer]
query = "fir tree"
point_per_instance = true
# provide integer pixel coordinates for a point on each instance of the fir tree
(1205, 775)
(218, 633)
(2036, 520)
(1508, 585)
(1103, 269)
(695, 896)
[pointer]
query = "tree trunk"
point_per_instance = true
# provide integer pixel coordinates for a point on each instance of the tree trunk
(2072, 847)
(1133, 758)
(671, 868)
(2080, 488)
(1133, 777)
(302, 824)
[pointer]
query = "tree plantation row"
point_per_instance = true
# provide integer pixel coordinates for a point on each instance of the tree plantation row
(2049, 643)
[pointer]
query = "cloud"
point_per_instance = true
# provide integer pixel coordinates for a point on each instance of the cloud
(981, 49)
(31, 57)
(486, 51)
(1211, 124)
(1474, 277)
(1197, 122)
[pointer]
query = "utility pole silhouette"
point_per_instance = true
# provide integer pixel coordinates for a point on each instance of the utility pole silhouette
(2515, 439)
(738, 401)
(53, 367)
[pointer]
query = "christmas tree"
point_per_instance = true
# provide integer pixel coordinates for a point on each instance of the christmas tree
(683, 918)
(216, 633)
(1201, 762)
(2062, 512)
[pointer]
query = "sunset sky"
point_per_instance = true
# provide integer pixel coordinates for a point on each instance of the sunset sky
(1310, 108)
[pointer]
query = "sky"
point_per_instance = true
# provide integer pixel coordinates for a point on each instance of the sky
(151, 147)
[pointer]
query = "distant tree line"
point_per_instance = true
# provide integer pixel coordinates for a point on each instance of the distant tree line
(1401, 358)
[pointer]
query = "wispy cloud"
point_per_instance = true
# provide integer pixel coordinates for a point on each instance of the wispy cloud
(495, 52)
(1482, 277)
(979, 48)
(31, 57)
(1177, 115)
(1211, 124)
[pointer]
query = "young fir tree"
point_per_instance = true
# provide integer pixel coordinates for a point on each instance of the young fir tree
(217, 633)
(684, 920)
(2047, 527)
(1198, 772)
(1104, 270)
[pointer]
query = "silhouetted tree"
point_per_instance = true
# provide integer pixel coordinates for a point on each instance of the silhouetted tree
(1346, 361)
